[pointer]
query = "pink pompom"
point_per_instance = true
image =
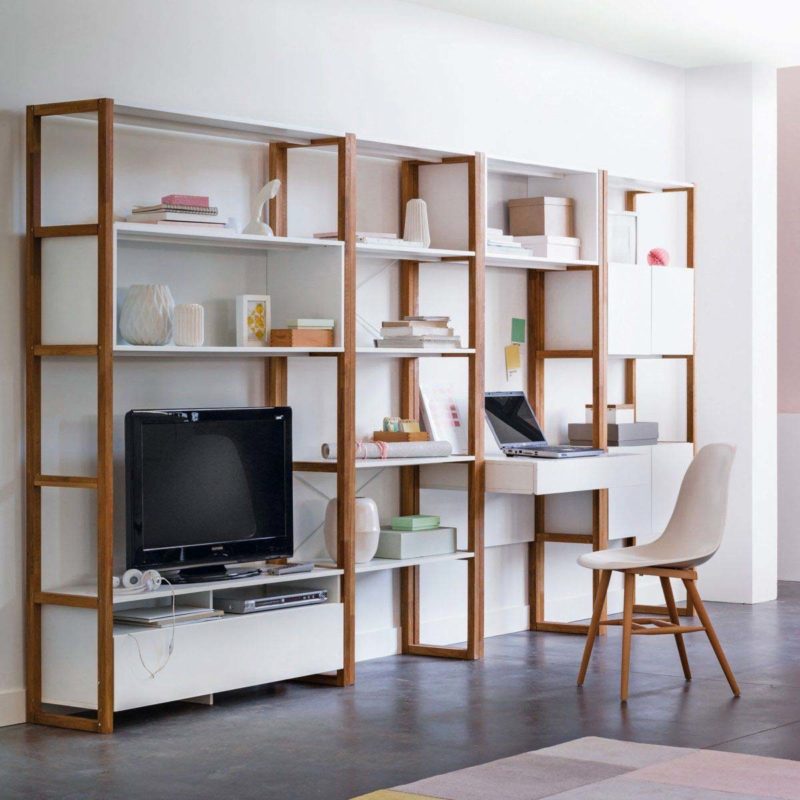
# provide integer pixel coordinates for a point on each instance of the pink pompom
(658, 257)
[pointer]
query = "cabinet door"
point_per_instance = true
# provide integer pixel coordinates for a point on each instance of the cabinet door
(629, 314)
(673, 311)
(629, 507)
(670, 462)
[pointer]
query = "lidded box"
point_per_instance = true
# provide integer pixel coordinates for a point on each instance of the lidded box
(542, 216)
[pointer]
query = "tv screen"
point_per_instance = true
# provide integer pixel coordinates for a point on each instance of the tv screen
(208, 486)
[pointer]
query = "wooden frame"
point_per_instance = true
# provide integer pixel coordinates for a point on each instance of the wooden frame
(102, 483)
(409, 408)
(687, 609)
(537, 354)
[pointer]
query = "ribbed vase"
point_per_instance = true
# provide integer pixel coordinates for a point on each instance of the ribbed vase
(189, 325)
(146, 314)
(416, 224)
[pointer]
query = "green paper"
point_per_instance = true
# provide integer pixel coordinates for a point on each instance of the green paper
(518, 330)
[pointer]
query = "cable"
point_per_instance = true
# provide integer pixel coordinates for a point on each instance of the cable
(170, 649)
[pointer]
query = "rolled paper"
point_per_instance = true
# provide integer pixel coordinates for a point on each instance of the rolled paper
(380, 450)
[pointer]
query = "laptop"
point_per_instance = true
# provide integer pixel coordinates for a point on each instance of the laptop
(517, 432)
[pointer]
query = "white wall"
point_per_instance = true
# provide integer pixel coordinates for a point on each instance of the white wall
(380, 68)
(731, 151)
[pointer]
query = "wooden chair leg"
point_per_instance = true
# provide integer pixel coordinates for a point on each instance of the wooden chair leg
(672, 609)
(627, 628)
(711, 633)
(599, 602)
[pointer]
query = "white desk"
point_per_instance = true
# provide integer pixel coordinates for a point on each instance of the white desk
(546, 475)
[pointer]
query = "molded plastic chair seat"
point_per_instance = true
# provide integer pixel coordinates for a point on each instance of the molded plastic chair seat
(693, 535)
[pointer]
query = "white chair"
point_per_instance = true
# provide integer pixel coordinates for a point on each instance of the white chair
(693, 535)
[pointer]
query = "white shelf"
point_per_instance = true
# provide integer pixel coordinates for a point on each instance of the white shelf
(194, 588)
(413, 352)
(535, 262)
(547, 475)
(428, 254)
(181, 234)
(382, 463)
(378, 564)
(173, 351)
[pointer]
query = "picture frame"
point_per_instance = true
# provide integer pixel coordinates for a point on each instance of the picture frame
(253, 320)
(444, 415)
(622, 234)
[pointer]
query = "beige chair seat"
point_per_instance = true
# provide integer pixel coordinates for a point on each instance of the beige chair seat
(655, 554)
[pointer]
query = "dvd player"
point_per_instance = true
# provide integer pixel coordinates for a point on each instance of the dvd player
(251, 599)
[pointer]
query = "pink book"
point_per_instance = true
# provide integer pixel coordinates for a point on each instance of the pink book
(185, 200)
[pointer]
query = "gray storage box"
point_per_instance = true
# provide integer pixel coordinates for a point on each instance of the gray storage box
(622, 433)
(416, 544)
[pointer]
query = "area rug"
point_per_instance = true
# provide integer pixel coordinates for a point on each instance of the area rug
(606, 769)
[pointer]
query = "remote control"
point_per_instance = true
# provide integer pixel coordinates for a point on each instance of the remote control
(288, 569)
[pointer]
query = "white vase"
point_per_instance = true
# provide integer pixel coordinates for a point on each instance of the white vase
(368, 529)
(189, 325)
(416, 224)
(146, 315)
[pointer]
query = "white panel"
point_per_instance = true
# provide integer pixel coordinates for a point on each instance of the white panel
(661, 396)
(673, 311)
(630, 507)
(629, 309)
(69, 656)
(661, 222)
(670, 462)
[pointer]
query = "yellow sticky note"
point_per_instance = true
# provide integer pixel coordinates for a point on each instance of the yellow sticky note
(513, 359)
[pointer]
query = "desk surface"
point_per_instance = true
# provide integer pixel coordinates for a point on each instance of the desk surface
(546, 475)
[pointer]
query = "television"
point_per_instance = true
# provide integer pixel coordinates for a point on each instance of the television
(207, 487)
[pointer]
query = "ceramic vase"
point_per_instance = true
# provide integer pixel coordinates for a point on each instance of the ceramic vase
(189, 325)
(368, 529)
(146, 315)
(416, 224)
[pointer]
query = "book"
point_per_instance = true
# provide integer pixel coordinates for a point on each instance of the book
(177, 207)
(185, 199)
(432, 319)
(415, 522)
(415, 330)
(323, 324)
(192, 225)
(174, 216)
(423, 342)
(442, 322)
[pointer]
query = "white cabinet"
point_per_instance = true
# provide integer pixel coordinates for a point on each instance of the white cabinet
(673, 311)
(629, 302)
(650, 310)
(643, 511)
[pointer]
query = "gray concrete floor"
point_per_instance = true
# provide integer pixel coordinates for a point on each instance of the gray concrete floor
(408, 718)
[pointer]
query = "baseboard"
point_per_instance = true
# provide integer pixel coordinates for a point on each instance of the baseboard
(12, 707)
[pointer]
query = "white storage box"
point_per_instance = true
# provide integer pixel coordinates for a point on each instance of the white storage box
(542, 216)
(563, 248)
(415, 544)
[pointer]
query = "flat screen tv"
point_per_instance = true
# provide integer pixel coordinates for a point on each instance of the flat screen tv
(208, 487)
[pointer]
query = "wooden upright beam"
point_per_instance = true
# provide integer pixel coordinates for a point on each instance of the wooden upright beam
(277, 168)
(346, 403)
(105, 415)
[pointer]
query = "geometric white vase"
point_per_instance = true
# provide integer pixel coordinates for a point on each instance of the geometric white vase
(416, 223)
(189, 325)
(146, 315)
(368, 529)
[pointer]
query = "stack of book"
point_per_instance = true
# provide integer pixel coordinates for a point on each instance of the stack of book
(424, 331)
(180, 209)
(308, 332)
(416, 536)
(502, 244)
(386, 239)
(163, 616)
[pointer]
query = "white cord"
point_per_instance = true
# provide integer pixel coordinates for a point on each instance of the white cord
(170, 649)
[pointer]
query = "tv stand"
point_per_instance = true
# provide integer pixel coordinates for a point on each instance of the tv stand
(217, 572)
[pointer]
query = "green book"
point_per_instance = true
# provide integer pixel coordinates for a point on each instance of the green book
(415, 522)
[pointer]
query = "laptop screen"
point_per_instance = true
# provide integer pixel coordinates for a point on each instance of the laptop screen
(512, 419)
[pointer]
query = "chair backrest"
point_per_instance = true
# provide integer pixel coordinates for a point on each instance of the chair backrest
(695, 529)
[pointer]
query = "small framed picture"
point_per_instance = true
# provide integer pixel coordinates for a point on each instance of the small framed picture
(253, 320)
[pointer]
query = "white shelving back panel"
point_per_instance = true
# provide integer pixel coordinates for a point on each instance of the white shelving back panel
(673, 310)
(629, 309)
